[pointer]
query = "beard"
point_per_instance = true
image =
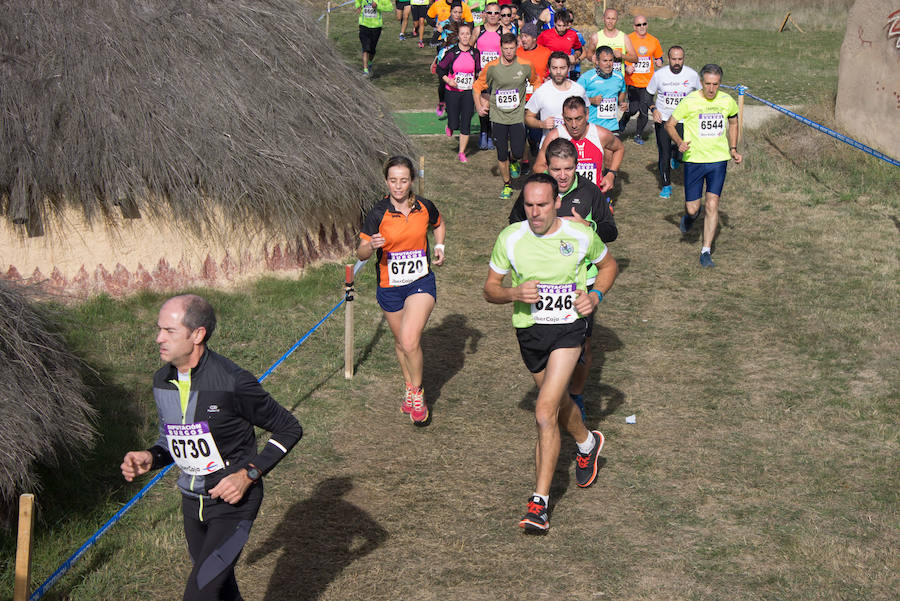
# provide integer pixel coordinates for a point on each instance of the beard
(674, 70)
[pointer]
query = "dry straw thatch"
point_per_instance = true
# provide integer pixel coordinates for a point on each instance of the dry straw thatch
(174, 108)
(44, 416)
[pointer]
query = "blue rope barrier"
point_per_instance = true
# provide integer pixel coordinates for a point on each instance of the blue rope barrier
(322, 16)
(67, 564)
(742, 90)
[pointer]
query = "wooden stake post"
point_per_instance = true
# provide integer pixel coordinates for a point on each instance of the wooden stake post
(327, 18)
(22, 584)
(787, 18)
(348, 323)
(422, 175)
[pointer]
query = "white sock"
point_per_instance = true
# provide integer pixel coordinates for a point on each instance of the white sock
(705, 249)
(588, 445)
(544, 498)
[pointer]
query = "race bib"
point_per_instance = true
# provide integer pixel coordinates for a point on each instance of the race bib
(507, 99)
(642, 65)
(587, 169)
(529, 88)
(477, 18)
(608, 107)
(487, 57)
(193, 448)
(712, 125)
(370, 11)
(557, 121)
(671, 99)
(617, 66)
(418, 2)
(406, 267)
(557, 304)
(464, 81)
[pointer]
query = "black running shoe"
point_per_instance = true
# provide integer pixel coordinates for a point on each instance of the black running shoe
(535, 519)
(586, 465)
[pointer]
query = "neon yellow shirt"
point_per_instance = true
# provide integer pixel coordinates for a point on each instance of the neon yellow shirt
(706, 126)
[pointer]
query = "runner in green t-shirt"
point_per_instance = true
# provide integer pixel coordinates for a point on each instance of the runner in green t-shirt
(546, 257)
(707, 146)
(370, 24)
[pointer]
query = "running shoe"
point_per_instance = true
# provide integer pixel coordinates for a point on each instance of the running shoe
(490, 143)
(666, 192)
(420, 44)
(439, 111)
(419, 413)
(706, 260)
(366, 72)
(462, 158)
(407, 405)
(514, 169)
(674, 164)
(578, 399)
(401, 37)
(535, 519)
(686, 224)
(448, 131)
(506, 193)
(638, 140)
(482, 141)
(586, 464)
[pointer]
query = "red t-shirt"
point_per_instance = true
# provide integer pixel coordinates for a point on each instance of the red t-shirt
(567, 42)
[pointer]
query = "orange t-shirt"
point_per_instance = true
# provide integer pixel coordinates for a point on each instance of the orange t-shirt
(648, 50)
(538, 57)
(406, 248)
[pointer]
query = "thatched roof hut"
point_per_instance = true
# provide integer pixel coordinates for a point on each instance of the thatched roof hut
(181, 139)
(44, 416)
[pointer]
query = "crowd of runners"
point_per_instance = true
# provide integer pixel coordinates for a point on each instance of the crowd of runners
(518, 66)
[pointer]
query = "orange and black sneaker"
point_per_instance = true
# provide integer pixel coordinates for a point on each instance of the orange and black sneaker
(407, 405)
(586, 464)
(535, 519)
(419, 412)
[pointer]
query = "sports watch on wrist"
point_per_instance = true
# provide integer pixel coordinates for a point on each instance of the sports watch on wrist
(253, 473)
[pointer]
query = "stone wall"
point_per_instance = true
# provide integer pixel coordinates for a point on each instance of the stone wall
(868, 99)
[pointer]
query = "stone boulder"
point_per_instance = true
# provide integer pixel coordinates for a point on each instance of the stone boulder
(868, 98)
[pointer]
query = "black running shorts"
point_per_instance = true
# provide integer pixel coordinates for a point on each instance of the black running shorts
(538, 341)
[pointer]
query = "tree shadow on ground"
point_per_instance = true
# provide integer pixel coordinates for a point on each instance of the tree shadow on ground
(317, 538)
(452, 340)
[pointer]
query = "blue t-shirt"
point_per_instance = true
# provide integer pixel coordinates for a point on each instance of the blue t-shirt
(610, 88)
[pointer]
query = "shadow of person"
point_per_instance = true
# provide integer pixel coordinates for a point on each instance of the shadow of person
(448, 344)
(318, 537)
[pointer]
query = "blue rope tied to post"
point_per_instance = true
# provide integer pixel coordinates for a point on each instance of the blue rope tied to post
(322, 16)
(742, 90)
(67, 564)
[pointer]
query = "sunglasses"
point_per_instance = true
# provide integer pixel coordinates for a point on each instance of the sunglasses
(505, 14)
(640, 24)
(491, 12)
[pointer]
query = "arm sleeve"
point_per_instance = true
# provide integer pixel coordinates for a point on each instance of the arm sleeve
(517, 213)
(264, 412)
(445, 64)
(481, 84)
(604, 223)
(434, 216)
(371, 224)
(500, 262)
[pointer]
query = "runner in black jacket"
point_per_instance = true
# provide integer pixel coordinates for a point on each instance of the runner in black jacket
(208, 407)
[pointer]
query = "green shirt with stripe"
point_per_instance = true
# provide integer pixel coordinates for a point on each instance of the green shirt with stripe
(370, 15)
(557, 258)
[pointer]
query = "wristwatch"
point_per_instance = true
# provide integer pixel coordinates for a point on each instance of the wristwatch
(253, 473)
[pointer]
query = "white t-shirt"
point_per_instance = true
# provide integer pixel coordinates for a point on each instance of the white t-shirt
(547, 101)
(670, 88)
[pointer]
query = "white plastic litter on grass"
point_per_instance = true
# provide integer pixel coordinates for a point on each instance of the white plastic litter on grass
(631, 419)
